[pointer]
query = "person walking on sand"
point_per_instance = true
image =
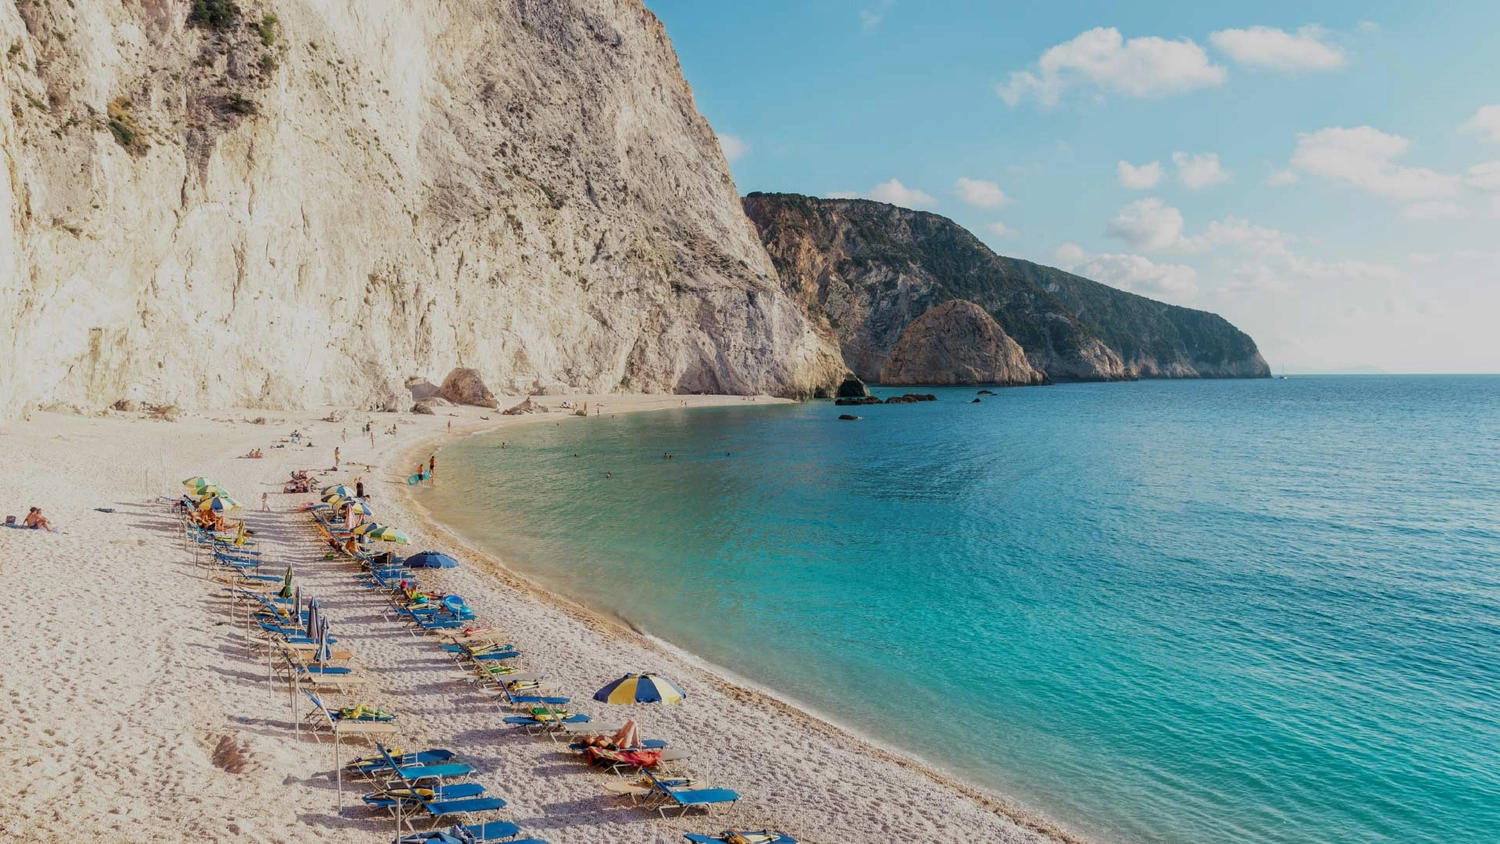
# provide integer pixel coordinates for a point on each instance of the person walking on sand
(372, 437)
(432, 467)
(450, 426)
(265, 502)
(335, 458)
(344, 435)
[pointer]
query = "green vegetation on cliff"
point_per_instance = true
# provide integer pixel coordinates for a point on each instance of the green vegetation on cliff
(871, 268)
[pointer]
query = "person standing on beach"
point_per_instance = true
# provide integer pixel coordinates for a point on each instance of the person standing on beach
(372, 436)
(431, 467)
(265, 502)
(450, 426)
(344, 435)
(335, 458)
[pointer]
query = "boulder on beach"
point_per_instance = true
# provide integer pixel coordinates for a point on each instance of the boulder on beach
(464, 386)
(423, 408)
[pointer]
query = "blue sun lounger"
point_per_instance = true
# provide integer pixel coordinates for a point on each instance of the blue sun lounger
(440, 809)
(374, 764)
(475, 834)
(389, 798)
(412, 774)
(687, 798)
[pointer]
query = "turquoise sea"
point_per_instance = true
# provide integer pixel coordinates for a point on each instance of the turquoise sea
(1181, 612)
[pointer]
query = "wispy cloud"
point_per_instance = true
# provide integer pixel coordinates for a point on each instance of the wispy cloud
(893, 192)
(1200, 170)
(1144, 177)
(1365, 158)
(871, 16)
(1103, 60)
(733, 146)
(1266, 47)
(979, 193)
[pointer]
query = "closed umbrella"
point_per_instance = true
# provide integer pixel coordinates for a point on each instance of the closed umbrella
(286, 584)
(640, 688)
(314, 615)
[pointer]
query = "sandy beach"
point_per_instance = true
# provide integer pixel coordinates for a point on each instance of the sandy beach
(125, 673)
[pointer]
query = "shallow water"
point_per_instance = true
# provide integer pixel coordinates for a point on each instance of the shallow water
(1185, 612)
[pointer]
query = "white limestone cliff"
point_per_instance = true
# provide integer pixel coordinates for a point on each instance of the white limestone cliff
(314, 208)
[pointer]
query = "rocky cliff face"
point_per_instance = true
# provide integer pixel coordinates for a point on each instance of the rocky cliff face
(865, 271)
(957, 342)
(303, 201)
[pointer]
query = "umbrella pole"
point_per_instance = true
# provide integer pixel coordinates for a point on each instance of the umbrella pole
(296, 724)
(338, 767)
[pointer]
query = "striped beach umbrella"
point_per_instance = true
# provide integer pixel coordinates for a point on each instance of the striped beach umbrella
(384, 533)
(339, 490)
(211, 491)
(194, 483)
(358, 508)
(333, 500)
(640, 688)
(218, 505)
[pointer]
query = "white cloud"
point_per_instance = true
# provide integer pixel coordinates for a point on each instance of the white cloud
(1144, 177)
(1199, 171)
(1435, 210)
(870, 17)
(1364, 157)
(893, 192)
(1486, 123)
(979, 193)
(1135, 273)
(1000, 229)
(734, 148)
(1283, 178)
(1148, 224)
(1140, 67)
(1268, 47)
(1367, 27)
(1486, 177)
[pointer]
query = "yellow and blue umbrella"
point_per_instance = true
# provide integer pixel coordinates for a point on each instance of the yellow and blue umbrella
(385, 533)
(340, 490)
(333, 500)
(640, 688)
(218, 504)
(194, 483)
(211, 491)
(359, 507)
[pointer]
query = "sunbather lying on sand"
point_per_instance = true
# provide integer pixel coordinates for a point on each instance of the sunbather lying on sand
(628, 736)
(36, 521)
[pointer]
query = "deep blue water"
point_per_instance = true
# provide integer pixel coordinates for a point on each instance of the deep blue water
(1185, 612)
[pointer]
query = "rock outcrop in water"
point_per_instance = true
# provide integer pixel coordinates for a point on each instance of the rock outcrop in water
(957, 342)
(865, 271)
(311, 201)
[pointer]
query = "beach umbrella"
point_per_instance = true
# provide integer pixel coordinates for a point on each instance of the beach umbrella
(325, 648)
(210, 491)
(334, 500)
(358, 508)
(286, 584)
(640, 688)
(339, 490)
(297, 605)
(314, 615)
(194, 483)
(385, 533)
(430, 560)
(218, 505)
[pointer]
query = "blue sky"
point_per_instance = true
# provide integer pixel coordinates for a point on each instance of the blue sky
(1326, 174)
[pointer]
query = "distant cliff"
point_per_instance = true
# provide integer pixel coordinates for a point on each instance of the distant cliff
(282, 204)
(865, 271)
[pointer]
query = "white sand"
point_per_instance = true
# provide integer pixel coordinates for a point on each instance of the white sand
(122, 671)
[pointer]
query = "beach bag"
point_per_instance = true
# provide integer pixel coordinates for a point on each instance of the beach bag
(10, 520)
